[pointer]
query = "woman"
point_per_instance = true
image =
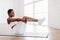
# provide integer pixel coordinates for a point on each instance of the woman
(19, 23)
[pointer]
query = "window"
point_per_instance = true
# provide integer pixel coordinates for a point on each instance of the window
(36, 9)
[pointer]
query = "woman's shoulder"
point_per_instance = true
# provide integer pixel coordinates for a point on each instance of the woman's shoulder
(8, 20)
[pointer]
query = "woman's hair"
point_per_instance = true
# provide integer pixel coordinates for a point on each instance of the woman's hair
(9, 11)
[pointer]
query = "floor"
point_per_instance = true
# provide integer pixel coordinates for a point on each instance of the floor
(20, 38)
(55, 33)
(10, 38)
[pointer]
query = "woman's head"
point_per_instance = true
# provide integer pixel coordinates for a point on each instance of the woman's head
(10, 13)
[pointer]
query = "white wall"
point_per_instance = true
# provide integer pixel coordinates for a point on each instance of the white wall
(54, 13)
(17, 5)
(4, 6)
(19, 8)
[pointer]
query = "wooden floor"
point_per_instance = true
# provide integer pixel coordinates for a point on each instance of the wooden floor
(55, 33)
(11, 38)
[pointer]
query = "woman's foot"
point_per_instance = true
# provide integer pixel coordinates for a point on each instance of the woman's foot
(41, 21)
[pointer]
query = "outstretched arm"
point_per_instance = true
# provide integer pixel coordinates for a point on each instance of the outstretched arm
(9, 20)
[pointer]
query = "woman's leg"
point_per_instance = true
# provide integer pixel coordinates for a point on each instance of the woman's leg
(30, 19)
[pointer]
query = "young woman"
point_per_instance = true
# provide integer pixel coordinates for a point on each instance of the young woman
(20, 21)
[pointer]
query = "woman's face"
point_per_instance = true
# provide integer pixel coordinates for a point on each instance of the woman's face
(12, 14)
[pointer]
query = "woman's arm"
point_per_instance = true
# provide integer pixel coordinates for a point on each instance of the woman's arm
(16, 19)
(9, 20)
